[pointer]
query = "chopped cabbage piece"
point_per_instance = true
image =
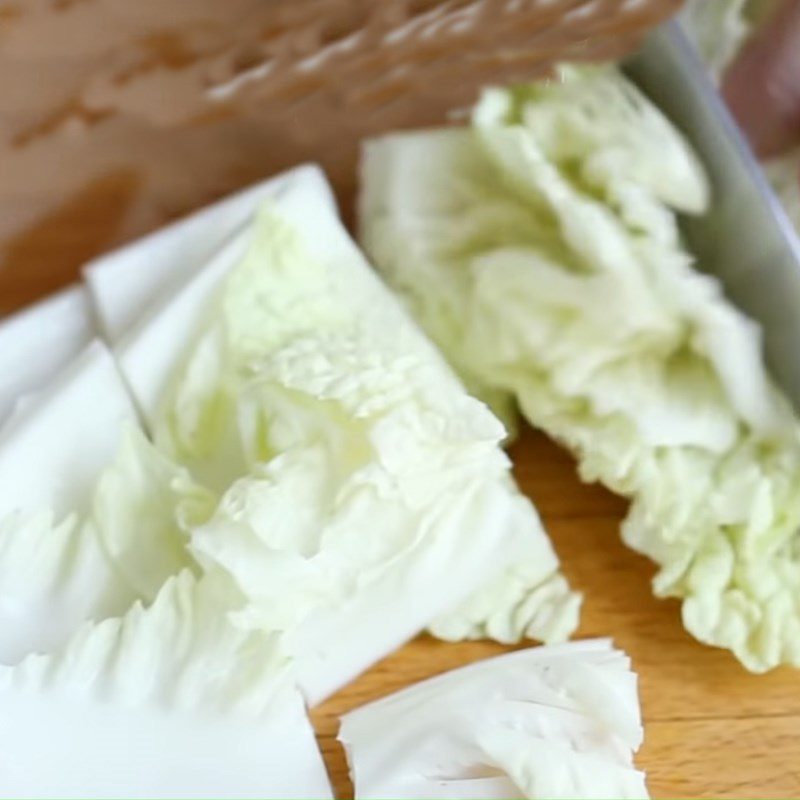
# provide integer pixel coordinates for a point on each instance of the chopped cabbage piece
(53, 573)
(168, 701)
(352, 469)
(528, 600)
(84, 532)
(153, 294)
(53, 455)
(143, 511)
(124, 284)
(546, 722)
(540, 249)
(37, 343)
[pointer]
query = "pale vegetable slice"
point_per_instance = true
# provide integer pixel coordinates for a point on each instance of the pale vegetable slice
(36, 343)
(53, 573)
(528, 600)
(53, 455)
(168, 701)
(547, 722)
(353, 470)
(154, 294)
(90, 515)
(128, 282)
(405, 212)
(149, 355)
(143, 510)
(540, 250)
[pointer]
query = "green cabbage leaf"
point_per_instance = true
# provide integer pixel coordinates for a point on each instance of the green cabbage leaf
(540, 249)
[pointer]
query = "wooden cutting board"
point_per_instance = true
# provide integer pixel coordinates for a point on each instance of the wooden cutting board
(712, 730)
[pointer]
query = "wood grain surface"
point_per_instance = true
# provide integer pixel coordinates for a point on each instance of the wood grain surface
(711, 729)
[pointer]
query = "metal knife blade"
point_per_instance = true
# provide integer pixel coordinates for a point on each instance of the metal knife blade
(745, 239)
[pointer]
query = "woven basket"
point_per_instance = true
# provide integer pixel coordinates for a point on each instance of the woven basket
(117, 115)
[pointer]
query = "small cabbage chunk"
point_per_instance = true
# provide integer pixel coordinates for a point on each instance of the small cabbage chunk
(350, 469)
(540, 249)
(546, 722)
(92, 517)
(172, 700)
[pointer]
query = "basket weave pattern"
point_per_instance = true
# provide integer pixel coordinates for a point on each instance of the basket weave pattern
(131, 112)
